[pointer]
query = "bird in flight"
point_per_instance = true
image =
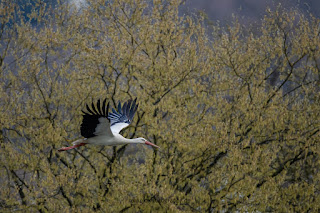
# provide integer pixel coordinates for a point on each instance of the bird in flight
(101, 127)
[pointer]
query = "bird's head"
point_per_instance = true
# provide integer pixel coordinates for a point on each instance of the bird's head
(142, 140)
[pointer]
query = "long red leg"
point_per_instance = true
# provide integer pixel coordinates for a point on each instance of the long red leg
(71, 147)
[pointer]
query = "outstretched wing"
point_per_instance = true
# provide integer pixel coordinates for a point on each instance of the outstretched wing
(123, 117)
(95, 121)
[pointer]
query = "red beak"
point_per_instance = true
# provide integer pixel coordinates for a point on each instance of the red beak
(151, 144)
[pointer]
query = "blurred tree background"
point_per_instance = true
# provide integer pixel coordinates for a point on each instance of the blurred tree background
(234, 109)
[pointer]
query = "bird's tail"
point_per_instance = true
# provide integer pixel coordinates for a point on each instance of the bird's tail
(76, 144)
(78, 141)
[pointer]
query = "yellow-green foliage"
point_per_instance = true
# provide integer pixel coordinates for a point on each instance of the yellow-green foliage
(235, 112)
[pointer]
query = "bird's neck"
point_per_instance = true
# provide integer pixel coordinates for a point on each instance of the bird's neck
(134, 140)
(126, 140)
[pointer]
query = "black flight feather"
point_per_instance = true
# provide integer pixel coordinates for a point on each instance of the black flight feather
(91, 120)
(125, 112)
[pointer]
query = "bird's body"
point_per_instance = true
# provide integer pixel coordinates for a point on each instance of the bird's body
(100, 127)
(114, 140)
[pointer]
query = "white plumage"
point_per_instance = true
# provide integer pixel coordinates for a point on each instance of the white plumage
(101, 127)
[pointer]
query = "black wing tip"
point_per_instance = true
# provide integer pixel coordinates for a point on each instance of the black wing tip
(127, 109)
(127, 103)
(99, 107)
(97, 110)
(104, 111)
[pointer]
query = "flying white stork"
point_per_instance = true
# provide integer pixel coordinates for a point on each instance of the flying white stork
(103, 128)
